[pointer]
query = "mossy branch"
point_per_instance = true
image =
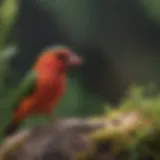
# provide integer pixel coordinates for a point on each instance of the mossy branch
(126, 133)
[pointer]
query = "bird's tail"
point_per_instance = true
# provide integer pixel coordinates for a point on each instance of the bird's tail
(11, 128)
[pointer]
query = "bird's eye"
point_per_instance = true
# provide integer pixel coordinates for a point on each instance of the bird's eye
(62, 57)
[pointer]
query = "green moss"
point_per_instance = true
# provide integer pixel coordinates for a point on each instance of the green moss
(145, 138)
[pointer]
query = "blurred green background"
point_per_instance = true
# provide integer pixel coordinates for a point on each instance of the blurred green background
(119, 41)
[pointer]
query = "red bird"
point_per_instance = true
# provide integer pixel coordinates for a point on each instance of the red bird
(43, 86)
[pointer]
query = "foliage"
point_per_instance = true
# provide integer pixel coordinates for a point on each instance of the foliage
(8, 12)
(152, 8)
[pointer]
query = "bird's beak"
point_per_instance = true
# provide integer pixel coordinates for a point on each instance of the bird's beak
(75, 60)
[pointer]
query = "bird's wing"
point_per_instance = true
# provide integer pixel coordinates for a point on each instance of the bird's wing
(25, 88)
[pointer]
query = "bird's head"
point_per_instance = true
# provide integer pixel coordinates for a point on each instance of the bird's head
(67, 57)
(61, 57)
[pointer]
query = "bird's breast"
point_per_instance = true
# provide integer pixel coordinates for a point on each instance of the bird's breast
(49, 92)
